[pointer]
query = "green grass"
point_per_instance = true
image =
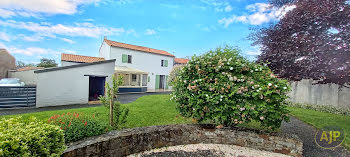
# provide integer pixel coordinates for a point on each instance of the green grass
(159, 110)
(145, 111)
(321, 119)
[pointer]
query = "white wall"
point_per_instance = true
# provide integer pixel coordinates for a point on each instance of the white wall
(305, 91)
(28, 77)
(148, 62)
(64, 63)
(105, 50)
(69, 86)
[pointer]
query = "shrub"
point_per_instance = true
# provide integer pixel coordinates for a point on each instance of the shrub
(77, 126)
(30, 137)
(224, 88)
(174, 72)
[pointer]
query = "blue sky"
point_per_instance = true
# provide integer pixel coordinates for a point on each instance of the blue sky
(34, 29)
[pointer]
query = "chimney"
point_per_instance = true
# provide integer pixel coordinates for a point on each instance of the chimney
(105, 37)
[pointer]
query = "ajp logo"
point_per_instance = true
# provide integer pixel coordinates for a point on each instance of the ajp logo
(329, 137)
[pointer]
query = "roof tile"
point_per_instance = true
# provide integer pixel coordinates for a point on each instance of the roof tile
(138, 48)
(181, 61)
(79, 58)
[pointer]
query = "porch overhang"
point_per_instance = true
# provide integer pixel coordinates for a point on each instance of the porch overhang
(128, 70)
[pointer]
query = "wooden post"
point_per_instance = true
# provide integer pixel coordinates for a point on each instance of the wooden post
(111, 108)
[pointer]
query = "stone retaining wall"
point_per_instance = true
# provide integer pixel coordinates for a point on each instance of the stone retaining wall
(130, 141)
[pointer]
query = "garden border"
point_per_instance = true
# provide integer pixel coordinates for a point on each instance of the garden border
(136, 140)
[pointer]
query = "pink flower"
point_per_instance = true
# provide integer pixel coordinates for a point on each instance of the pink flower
(261, 118)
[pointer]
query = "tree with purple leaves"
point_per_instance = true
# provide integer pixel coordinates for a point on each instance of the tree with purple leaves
(312, 41)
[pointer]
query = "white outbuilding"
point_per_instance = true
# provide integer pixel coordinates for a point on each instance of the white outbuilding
(72, 84)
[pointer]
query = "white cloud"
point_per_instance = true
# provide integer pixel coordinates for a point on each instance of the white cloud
(69, 51)
(172, 6)
(34, 7)
(78, 29)
(259, 13)
(219, 6)
(6, 13)
(227, 21)
(228, 8)
(31, 51)
(150, 32)
(32, 38)
(4, 36)
(254, 51)
(68, 40)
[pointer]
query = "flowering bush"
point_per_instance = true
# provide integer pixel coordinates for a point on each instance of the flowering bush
(30, 137)
(223, 87)
(77, 126)
(174, 72)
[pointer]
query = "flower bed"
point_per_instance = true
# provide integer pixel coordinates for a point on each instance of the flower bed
(77, 126)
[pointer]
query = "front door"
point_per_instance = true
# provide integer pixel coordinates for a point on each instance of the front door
(96, 87)
(161, 81)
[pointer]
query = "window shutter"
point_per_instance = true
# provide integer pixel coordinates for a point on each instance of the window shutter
(166, 82)
(166, 63)
(157, 81)
(149, 79)
(124, 58)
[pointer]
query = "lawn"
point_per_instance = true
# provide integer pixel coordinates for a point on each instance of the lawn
(159, 110)
(145, 111)
(321, 119)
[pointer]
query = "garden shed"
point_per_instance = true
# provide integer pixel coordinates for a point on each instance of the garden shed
(73, 84)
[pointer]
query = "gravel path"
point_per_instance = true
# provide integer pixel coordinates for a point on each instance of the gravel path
(307, 133)
(123, 98)
(203, 150)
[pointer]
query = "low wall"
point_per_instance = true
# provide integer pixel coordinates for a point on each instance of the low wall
(305, 91)
(136, 140)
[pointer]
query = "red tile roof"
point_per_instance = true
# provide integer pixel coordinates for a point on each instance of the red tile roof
(79, 58)
(138, 48)
(181, 61)
(29, 68)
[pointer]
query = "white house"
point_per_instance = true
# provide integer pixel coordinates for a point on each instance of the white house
(142, 68)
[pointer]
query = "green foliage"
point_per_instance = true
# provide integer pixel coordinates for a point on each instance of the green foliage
(223, 87)
(30, 137)
(120, 113)
(174, 72)
(20, 64)
(321, 108)
(77, 126)
(47, 63)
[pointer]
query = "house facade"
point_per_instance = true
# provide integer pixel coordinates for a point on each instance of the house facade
(140, 66)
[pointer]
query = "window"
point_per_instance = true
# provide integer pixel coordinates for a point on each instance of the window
(129, 58)
(164, 63)
(126, 58)
(133, 77)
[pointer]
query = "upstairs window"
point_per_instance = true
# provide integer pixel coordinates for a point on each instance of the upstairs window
(164, 63)
(126, 58)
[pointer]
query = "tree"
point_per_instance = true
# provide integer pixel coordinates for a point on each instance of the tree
(311, 41)
(117, 113)
(21, 64)
(47, 63)
(224, 88)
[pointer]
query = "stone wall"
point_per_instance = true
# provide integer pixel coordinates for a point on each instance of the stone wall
(305, 91)
(130, 141)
